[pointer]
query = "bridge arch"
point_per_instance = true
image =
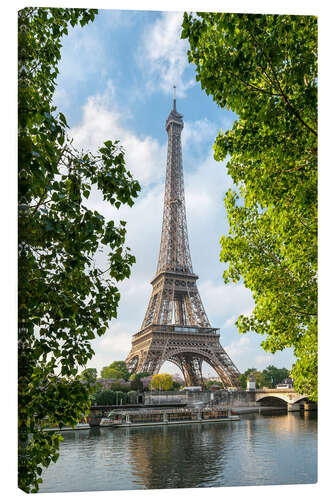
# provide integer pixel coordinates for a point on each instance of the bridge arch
(301, 399)
(287, 396)
(281, 397)
(273, 401)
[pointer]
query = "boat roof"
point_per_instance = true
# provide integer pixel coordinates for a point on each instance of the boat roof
(150, 411)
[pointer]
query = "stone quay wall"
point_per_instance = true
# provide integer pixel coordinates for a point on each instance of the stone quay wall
(229, 399)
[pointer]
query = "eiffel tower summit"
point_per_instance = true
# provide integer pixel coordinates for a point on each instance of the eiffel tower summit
(175, 327)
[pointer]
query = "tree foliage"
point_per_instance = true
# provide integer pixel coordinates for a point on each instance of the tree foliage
(273, 375)
(258, 377)
(135, 376)
(135, 379)
(64, 300)
(107, 372)
(269, 377)
(117, 369)
(214, 382)
(162, 381)
(89, 375)
(132, 397)
(176, 385)
(113, 397)
(264, 68)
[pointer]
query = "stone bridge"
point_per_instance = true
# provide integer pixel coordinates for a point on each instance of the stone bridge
(269, 397)
(286, 398)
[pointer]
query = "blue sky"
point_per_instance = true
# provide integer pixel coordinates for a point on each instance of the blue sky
(115, 82)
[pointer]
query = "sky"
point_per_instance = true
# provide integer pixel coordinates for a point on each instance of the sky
(115, 82)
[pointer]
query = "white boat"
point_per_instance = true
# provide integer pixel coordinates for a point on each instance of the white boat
(79, 426)
(83, 425)
(139, 418)
(106, 422)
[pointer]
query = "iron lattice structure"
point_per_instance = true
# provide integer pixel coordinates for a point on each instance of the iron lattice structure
(175, 327)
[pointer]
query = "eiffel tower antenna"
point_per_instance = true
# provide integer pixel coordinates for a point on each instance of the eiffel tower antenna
(175, 327)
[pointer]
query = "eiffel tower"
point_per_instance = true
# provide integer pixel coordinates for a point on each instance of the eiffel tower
(175, 327)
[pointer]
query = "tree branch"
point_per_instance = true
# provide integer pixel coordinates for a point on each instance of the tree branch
(288, 103)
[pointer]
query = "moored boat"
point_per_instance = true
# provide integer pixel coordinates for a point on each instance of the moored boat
(138, 418)
(79, 426)
(106, 422)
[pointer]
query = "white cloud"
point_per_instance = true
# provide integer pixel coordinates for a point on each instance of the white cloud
(239, 351)
(225, 301)
(240, 344)
(230, 321)
(262, 361)
(101, 121)
(206, 182)
(163, 55)
(197, 133)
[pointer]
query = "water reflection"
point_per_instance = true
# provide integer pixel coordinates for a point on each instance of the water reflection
(160, 462)
(266, 449)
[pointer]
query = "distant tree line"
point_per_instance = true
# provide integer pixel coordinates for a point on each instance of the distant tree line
(116, 385)
(123, 386)
(114, 397)
(269, 377)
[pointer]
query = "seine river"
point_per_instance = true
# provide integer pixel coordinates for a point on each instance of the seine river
(266, 449)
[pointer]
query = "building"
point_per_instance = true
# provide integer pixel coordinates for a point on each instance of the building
(251, 383)
(287, 383)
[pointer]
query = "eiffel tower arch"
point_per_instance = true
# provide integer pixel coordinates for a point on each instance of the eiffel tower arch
(175, 327)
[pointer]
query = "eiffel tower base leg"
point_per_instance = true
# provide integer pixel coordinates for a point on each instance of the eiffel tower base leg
(146, 362)
(191, 368)
(176, 349)
(189, 364)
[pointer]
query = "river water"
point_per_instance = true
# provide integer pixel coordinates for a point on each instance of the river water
(266, 449)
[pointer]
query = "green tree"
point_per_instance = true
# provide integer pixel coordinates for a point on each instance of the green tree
(162, 381)
(121, 398)
(117, 386)
(214, 382)
(176, 385)
(122, 368)
(108, 372)
(135, 379)
(258, 377)
(132, 397)
(136, 383)
(89, 375)
(244, 377)
(264, 68)
(64, 300)
(273, 375)
(106, 397)
(117, 369)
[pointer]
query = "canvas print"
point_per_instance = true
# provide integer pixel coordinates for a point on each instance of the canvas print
(167, 296)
